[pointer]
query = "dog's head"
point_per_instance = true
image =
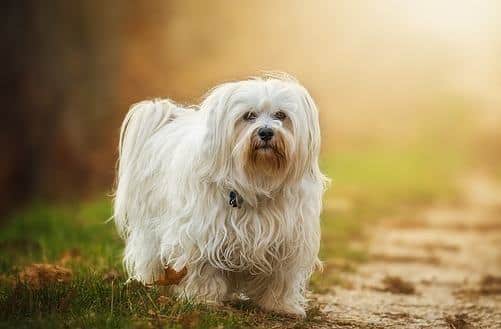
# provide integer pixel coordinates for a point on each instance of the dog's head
(262, 133)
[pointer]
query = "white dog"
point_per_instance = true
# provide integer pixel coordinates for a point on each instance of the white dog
(230, 190)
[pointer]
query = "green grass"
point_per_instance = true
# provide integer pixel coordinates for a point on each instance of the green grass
(367, 184)
(90, 302)
(42, 234)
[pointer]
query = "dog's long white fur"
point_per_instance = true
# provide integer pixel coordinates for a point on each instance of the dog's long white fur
(176, 168)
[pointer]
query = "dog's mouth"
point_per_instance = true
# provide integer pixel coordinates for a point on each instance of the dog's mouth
(264, 147)
(267, 158)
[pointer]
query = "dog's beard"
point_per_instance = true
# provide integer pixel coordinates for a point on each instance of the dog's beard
(267, 159)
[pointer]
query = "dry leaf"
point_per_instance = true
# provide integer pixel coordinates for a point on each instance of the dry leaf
(39, 275)
(171, 277)
(189, 320)
(396, 285)
(163, 300)
(70, 255)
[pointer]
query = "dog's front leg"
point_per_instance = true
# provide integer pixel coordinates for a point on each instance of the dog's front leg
(203, 283)
(282, 292)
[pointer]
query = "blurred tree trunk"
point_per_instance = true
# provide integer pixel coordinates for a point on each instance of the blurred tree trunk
(59, 71)
(71, 69)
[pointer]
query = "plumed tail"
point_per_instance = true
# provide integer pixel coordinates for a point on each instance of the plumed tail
(142, 121)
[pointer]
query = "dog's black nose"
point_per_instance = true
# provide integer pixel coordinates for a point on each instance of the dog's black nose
(265, 133)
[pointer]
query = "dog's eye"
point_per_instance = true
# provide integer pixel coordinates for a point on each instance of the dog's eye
(280, 115)
(250, 116)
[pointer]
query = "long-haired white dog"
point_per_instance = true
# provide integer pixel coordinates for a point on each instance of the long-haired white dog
(230, 190)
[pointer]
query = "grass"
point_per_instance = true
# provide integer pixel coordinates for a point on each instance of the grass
(367, 184)
(44, 234)
(90, 302)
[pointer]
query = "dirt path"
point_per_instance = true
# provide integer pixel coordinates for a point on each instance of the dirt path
(441, 269)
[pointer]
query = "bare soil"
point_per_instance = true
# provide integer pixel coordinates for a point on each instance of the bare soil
(439, 269)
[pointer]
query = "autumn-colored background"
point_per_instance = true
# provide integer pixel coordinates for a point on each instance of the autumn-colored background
(409, 93)
(383, 73)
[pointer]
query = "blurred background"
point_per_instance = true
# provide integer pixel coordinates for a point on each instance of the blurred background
(409, 91)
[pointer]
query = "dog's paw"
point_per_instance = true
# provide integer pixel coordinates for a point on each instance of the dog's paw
(287, 309)
(295, 311)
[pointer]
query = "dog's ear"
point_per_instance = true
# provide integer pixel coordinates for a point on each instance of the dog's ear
(310, 148)
(216, 146)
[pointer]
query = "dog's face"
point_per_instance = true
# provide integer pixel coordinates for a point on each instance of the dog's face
(263, 132)
(263, 142)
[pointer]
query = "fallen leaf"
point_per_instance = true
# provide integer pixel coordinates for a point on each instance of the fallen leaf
(171, 277)
(70, 255)
(163, 300)
(39, 275)
(190, 319)
(490, 285)
(396, 285)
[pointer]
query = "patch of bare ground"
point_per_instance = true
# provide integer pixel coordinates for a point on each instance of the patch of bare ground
(404, 259)
(440, 269)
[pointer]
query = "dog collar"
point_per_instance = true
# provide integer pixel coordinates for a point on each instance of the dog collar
(235, 199)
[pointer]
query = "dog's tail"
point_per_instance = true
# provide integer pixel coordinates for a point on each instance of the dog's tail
(142, 121)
